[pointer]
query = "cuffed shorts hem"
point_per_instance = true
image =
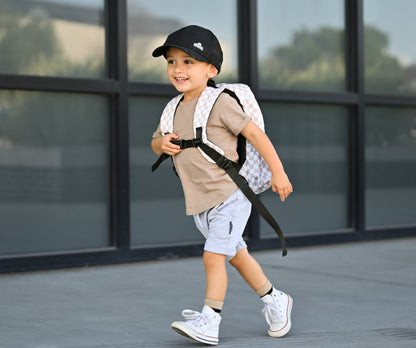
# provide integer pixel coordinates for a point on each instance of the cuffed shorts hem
(223, 226)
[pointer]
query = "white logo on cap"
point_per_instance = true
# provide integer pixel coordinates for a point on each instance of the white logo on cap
(198, 45)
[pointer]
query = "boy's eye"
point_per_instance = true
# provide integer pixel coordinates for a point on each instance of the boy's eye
(171, 61)
(188, 61)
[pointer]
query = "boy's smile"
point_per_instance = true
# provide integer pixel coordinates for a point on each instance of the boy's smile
(181, 79)
(187, 74)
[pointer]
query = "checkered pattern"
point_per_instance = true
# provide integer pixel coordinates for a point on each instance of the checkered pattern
(166, 121)
(255, 169)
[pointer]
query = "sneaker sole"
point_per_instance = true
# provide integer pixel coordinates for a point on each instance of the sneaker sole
(283, 331)
(184, 330)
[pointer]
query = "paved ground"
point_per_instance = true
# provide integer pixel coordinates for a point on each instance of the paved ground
(353, 295)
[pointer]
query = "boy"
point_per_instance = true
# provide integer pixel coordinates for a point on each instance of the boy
(220, 209)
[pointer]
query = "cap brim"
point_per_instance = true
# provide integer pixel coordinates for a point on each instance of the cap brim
(161, 51)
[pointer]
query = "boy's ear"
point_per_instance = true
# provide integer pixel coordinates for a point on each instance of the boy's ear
(212, 72)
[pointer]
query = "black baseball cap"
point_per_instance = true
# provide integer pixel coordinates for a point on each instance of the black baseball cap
(198, 42)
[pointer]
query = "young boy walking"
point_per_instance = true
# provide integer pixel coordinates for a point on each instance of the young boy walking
(219, 208)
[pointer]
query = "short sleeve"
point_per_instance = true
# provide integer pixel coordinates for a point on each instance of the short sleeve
(157, 133)
(230, 113)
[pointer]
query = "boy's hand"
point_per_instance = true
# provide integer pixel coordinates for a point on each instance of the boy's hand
(281, 185)
(166, 146)
(262, 143)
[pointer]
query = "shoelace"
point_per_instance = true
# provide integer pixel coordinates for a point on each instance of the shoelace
(271, 311)
(198, 318)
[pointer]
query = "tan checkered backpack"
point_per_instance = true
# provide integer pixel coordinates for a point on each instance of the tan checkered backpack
(251, 174)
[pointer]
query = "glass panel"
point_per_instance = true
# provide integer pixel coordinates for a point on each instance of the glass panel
(312, 142)
(52, 37)
(54, 182)
(390, 166)
(389, 49)
(157, 203)
(151, 21)
(301, 44)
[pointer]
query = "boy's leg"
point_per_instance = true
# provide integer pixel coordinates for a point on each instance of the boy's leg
(204, 327)
(216, 276)
(278, 305)
(223, 227)
(250, 270)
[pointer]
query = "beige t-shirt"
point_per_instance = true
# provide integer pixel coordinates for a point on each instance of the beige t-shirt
(205, 184)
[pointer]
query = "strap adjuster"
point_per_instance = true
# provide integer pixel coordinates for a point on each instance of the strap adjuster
(223, 162)
(179, 142)
(196, 142)
(184, 144)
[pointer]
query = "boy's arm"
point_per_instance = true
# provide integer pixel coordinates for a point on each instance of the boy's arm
(262, 143)
(163, 145)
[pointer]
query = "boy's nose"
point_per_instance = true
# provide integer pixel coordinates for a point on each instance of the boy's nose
(178, 68)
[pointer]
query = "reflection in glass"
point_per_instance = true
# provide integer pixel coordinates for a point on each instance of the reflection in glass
(390, 166)
(297, 50)
(53, 38)
(156, 199)
(389, 49)
(54, 182)
(312, 142)
(149, 23)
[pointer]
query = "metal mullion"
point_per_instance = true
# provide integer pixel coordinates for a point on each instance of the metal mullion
(307, 97)
(152, 89)
(247, 70)
(58, 84)
(355, 84)
(247, 43)
(360, 136)
(390, 100)
(116, 15)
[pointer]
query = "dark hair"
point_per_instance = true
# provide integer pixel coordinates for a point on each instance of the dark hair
(211, 83)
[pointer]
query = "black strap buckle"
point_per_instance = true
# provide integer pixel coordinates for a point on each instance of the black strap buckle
(196, 142)
(180, 143)
(184, 144)
(223, 162)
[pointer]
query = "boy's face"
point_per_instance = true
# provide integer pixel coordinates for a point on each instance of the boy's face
(187, 74)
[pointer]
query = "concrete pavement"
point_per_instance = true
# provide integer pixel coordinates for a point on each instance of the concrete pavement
(351, 295)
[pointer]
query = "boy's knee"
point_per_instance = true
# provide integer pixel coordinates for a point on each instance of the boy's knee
(212, 259)
(239, 257)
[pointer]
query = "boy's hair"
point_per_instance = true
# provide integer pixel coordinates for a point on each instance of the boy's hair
(198, 42)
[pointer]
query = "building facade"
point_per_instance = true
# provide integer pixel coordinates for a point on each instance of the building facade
(80, 96)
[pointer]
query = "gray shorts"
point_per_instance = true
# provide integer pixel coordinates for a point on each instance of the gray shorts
(223, 225)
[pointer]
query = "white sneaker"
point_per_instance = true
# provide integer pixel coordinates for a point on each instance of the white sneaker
(202, 327)
(277, 310)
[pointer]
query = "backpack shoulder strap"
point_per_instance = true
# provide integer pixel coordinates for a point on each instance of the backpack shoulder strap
(166, 125)
(203, 110)
(168, 114)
